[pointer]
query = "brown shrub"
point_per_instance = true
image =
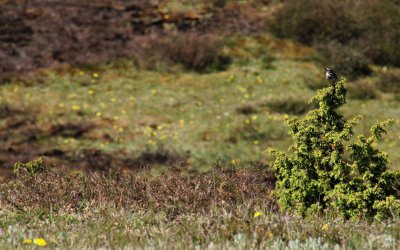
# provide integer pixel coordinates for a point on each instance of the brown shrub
(176, 191)
(192, 50)
(370, 27)
(308, 21)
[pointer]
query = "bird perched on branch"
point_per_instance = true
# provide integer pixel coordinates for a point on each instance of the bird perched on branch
(331, 76)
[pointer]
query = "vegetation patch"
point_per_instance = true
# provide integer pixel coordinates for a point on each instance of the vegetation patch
(389, 82)
(363, 90)
(287, 105)
(314, 177)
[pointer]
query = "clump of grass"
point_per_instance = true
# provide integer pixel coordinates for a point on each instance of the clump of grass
(389, 82)
(362, 90)
(287, 105)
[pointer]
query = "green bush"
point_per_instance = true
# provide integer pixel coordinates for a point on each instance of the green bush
(30, 168)
(314, 175)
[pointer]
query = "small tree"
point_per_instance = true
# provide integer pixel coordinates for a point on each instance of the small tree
(314, 175)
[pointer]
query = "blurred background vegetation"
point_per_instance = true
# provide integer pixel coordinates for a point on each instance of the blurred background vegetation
(103, 84)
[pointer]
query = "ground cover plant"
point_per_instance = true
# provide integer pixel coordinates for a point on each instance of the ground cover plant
(145, 124)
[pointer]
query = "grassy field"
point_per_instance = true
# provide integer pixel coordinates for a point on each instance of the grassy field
(230, 116)
(202, 139)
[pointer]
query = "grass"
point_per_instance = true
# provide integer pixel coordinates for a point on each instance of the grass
(109, 227)
(226, 208)
(187, 113)
(222, 118)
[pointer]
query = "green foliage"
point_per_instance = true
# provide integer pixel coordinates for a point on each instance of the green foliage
(315, 176)
(30, 168)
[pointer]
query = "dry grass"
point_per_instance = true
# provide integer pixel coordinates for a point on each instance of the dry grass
(175, 191)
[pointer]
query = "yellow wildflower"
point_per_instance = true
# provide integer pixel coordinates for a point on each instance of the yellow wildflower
(257, 214)
(256, 142)
(40, 242)
(95, 75)
(325, 227)
(27, 241)
(113, 100)
(90, 92)
(81, 73)
(76, 107)
(247, 121)
(235, 162)
(255, 117)
(98, 114)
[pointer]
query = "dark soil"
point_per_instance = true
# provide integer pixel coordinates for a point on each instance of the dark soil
(38, 34)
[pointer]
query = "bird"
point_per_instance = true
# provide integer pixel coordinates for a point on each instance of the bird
(331, 76)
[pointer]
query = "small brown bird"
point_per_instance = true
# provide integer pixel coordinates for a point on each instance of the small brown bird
(331, 76)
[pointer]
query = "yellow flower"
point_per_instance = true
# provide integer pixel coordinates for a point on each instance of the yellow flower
(90, 92)
(181, 123)
(40, 242)
(259, 80)
(325, 227)
(75, 107)
(255, 117)
(247, 121)
(81, 73)
(256, 142)
(234, 162)
(27, 241)
(257, 214)
(95, 75)
(113, 100)
(98, 114)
